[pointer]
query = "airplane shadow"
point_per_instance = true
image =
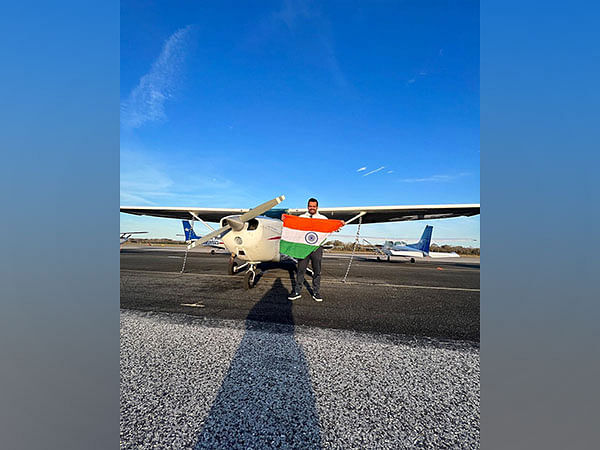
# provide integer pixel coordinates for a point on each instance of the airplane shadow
(292, 269)
(266, 398)
(289, 266)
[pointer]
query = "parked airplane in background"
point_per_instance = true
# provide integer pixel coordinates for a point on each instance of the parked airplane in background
(412, 251)
(253, 235)
(126, 235)
(191, 236)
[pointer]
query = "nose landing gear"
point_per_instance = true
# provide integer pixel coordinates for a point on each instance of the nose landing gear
(250, 277)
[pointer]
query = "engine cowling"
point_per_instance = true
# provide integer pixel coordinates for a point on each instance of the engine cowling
(256, 241)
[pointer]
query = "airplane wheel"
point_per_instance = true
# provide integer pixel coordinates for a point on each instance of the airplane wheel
(412, 260)
(212, 252)
(249, 279)
(232, 268)
(378, 258)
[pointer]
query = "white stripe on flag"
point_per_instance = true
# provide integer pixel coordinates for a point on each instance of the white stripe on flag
(302, 236)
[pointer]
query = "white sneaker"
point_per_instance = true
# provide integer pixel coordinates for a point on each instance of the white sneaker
(317, 298)
(294, 296)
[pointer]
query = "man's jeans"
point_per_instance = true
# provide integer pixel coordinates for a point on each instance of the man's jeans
(315, 257)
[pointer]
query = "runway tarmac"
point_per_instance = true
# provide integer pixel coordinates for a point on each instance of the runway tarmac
(430, 298)
(389, 359)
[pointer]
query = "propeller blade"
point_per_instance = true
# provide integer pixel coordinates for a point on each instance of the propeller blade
(209, 236)
(243, 218)
(261, 209)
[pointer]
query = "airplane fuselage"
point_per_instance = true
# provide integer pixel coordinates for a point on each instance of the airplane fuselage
(257, 241)
(406, 252)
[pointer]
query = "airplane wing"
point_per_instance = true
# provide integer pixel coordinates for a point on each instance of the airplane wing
(374, 214)
(382, 214)
(183, 213)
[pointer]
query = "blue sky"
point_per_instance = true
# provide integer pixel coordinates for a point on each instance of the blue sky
(229, 105)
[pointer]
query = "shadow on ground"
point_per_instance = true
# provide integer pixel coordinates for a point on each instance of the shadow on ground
(266, 398)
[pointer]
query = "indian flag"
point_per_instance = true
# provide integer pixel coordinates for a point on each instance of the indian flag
(301, 236)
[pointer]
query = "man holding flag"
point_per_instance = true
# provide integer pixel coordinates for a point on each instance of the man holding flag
(301, 238)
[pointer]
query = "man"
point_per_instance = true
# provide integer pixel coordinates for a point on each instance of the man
(315, 257)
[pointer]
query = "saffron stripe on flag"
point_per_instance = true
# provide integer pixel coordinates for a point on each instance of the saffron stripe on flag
(308, 224)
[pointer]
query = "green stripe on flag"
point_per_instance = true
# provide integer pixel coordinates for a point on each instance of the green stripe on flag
(296, 250)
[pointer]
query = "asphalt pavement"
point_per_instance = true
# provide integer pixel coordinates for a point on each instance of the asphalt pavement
(430, 298)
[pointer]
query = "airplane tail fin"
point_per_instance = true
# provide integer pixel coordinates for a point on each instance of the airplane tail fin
(425, 241)
(190, 235)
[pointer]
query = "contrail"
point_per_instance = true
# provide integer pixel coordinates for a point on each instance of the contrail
(373, 171)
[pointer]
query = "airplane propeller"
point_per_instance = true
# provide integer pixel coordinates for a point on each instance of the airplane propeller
(238, 223)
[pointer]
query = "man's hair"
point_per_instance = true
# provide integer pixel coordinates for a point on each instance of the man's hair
(312, 199)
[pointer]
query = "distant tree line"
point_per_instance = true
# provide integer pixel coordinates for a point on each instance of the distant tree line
(155, 241)
(455, 248)
(337, 245)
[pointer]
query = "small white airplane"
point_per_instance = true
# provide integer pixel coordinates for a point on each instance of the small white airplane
(417, 250)
(253, 235)
(191, 236)
(126, 235)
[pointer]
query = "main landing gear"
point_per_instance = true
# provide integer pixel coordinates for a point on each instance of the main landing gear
(252, 274)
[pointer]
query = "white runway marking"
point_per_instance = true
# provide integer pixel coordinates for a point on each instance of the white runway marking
(357, 283)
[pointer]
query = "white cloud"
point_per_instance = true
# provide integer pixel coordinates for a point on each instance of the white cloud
(128, 198)
(434, 178)
(146, 101)
(149, 178)
(361, 169)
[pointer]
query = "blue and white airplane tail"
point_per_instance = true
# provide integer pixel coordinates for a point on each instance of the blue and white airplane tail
(190, 235)
(425, 241)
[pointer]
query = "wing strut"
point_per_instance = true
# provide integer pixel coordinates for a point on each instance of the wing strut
(202, 221)
(359, 216)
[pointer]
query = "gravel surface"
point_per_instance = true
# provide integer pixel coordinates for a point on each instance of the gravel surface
(188, 382)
